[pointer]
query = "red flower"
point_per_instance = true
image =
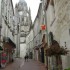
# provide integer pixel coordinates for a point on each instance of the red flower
(3, 61)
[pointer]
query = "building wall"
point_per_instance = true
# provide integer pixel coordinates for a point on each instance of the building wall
(29, 42)
(7, 29)
(60, 26)
(22, 13)
(0, 11)
(7, 13)
(38, 32)
(63, 20)
(37, 26)
(17, 31)
(22, 50)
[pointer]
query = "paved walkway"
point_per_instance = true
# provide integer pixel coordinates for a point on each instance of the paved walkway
(20, 64)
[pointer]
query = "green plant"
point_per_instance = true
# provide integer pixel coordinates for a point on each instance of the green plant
(67, 69)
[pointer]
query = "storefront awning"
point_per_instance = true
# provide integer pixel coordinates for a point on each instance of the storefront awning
(8, 40)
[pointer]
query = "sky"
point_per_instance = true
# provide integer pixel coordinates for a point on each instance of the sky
(33, 4)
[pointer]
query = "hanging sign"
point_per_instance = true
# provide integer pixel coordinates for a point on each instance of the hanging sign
(43, 27)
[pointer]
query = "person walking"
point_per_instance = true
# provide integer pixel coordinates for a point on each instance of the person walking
(25, 58)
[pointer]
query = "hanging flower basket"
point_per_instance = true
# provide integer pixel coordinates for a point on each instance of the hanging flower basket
(36, 48)
(55, 50)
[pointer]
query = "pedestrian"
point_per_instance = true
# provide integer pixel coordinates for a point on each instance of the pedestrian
(25, 57)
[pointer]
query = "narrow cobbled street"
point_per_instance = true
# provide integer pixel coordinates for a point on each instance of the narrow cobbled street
(20, 64)
(37, 31)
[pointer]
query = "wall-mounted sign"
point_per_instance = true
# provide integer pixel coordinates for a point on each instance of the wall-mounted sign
(43, 27)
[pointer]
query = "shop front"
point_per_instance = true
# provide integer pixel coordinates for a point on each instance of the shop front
(9, 47)
(1, 49)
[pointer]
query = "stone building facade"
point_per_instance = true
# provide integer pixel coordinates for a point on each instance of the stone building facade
(58, 17)
(29, 44)
(23, 20)
(17, 31)
(63, 28)
(37, 35)
(40, 36)
(7, 13)
(7, 28)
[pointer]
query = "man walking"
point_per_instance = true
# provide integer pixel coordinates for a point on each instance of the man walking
(26, 57)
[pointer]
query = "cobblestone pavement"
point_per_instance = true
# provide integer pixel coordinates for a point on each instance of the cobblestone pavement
(20, 64)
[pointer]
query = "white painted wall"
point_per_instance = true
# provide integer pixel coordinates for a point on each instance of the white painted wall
(22, 17)
(29, 40)
(22, 50)
(7, 9)
(61, 26)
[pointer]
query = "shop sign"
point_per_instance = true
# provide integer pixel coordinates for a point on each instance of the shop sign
(43, 27)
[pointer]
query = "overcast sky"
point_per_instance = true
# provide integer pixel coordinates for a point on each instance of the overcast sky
(33, 4)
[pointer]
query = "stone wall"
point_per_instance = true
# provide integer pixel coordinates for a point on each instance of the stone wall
(61, 26)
